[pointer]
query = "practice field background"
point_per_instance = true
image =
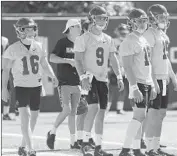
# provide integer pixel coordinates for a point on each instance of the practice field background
(114, 134)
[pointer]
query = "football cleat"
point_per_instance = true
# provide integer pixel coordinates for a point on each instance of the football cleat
(137, 152)
(125, 152)
(7, 117)
(99, 152)
(152, 153)
(75, 146)
(22, 151)
(143, 145)
(50, 140)
(32, 153)
(92, 143)
(85, 149)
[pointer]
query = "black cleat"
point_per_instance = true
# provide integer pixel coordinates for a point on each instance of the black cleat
(92, 143)
(143, 145)
(152, 153)
(80, 142)
(50, 140)
(85, 149)
(22, 151)
(32, 153)
(7, 117)
(163, 146)
(125, 152)
(75, 146)
(163, 153)
(137, 152)
(100, 152)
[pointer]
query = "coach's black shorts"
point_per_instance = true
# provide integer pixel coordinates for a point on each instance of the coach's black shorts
(98, 93)
(146, 91)
(160, 101)
(28, 96)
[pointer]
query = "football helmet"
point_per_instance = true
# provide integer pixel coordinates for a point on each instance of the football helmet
(85, 26)
(23, 33)
(121, 31)
(83, 106)
(99, 17)
(137, 20)
(159, 16)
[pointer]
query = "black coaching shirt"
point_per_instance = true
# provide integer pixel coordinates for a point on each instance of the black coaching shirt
(67, 75)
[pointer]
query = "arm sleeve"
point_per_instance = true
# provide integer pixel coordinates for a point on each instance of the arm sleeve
(112, 46)
(58, 48)
(9, 54)
(150, 37)
(79, 44)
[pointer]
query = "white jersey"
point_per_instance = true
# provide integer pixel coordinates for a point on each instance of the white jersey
(26, 69)
(97, 50)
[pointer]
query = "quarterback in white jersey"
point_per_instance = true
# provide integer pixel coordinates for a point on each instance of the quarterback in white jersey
(92, 51)
(135, 53)
(162, 71)
(28, 60)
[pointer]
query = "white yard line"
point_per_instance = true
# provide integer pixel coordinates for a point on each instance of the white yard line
(6, 151)
(67, 140)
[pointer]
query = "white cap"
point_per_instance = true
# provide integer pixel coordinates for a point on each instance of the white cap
(72, 22)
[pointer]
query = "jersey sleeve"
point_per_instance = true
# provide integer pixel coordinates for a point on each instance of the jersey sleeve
(112, 46)
(9, 53)
(150, 37)
(79, 44)
(58, 48)
(126, 48)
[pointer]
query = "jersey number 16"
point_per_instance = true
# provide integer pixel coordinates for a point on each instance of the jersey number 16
(33, 62)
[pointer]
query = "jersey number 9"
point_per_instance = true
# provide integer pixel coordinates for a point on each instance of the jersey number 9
(100, 56)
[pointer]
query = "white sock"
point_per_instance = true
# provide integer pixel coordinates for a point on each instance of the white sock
(98, 139)
(72, 139)
(136, 144)
(132, 130)
(86, 136)
(79, 135)
(156, 143)
(6, 110)
(120, 105)
(149, 144)
(53, 131)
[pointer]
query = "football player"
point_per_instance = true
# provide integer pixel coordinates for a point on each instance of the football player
(121, 31)
(134, 51)
(162, 71)
(93, 49)
(69, 83)
(27, 59)
(83, 105)
(5, 105)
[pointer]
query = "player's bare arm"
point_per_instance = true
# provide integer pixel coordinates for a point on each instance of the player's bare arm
(116, 67)
(128, 64)
(172, 75)
(56, 59)
(48, 70)
(6, 66)
(79, 57)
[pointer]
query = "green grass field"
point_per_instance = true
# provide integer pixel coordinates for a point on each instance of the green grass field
(114, 134)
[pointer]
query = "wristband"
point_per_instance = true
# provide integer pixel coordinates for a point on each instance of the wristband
(83, 76)
(134, 87)
(119, 77)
